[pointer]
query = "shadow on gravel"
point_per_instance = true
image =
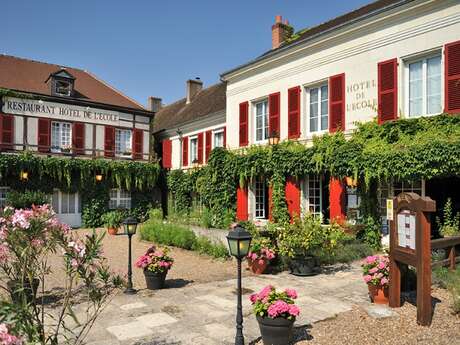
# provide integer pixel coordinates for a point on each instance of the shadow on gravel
(160, 342)
(176, 283)
(300, 334)
(332, 269)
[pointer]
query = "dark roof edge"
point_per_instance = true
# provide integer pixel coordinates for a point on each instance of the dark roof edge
(302, 41)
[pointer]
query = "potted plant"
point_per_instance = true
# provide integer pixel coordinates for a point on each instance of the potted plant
(156, 263)
(376, 274)
(276, 313)
(112, 221)
(260, 255)
(300, 240)
(450, 225)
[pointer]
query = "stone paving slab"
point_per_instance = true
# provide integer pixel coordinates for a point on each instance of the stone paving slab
(205, 313)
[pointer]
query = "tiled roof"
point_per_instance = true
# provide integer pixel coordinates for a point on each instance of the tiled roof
(31, 76)
(205, 102)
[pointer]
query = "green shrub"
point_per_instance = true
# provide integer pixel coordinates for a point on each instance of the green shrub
(450, 225)
(204, 245)
(450, 280)
(346, 252)
(26, 199)
(113, 219)
(206, 218)
(371, 233)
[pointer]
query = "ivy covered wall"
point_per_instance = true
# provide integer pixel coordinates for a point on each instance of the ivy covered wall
(407, 149)
(46, 173)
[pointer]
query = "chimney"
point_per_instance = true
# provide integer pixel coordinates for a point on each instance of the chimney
(193, 87)
(154, 104)
(280, 31)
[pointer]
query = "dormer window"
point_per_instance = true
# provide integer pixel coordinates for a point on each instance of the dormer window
(62, 83)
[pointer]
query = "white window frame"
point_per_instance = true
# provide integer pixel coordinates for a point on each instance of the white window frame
(117, 197)
(129, 146)
(424, 58)
(193, 154)
(260, 186)
(389, 188)
(58, 196)
(306, 196)
(318, 86)
(61, 144)
(3, 192)
(214, 133)
(69, 84)
(265, 120)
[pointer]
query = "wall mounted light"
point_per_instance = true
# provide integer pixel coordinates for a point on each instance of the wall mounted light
(99, 177)
(24, 175)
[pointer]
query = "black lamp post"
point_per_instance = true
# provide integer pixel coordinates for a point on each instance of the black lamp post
(239, 241)
(130, 226)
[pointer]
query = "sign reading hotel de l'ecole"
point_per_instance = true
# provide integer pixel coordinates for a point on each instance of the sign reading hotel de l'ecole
(60, 111)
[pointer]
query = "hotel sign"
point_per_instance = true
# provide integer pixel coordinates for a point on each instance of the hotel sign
(60, 111)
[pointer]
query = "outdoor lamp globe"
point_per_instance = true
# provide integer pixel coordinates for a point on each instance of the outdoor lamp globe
(239, 241)
(130, 225)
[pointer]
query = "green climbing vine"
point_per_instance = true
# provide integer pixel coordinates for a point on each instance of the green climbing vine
(407, 149)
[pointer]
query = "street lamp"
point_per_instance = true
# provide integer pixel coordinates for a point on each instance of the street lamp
(274, 138)
(130, 226)
(239, 241)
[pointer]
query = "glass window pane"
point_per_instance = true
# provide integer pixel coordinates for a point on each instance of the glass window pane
(71, 203)
(64, 203)
(434, 85)
(416, 88)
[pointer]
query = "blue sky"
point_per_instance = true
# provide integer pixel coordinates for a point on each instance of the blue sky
(151, 47)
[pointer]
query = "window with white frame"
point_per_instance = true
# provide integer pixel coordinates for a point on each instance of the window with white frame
(123, 142)
(261, 120)
(193, 150)
(260, 195)
(65, 203)
(423, 86)
(61, 136)
(313, 195)
(390, 190)
(219, 138)
(319, 108)
(3, 192)
(119, 198)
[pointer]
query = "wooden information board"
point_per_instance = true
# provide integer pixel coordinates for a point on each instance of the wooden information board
(410, 244)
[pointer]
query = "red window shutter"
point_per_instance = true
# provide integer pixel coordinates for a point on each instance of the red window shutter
(292, 191)
(138, 143)
(294, 112)
(388, 90)
(184, 151)
(78, 137)
(6, 131)
(270, 203)
(109, 141)
(244, 124)
(44, 135)
(452, 77)
(208, 145)
(242, 203)
(274, 114)
(337, 103)
(166, 153)
(336, 200)
(200, 148)
(225, 137)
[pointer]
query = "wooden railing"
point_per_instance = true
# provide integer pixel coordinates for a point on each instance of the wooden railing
(450, 245)
(88, 153)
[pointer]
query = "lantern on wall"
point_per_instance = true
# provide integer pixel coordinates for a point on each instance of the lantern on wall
(351, 182)
(99, 177)
(274, 138)
(24, 175)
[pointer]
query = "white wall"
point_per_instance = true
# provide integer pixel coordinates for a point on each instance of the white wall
(32, 130)
(418, 27)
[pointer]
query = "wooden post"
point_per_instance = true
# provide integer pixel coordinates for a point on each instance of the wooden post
(424, 306)
(394, 290)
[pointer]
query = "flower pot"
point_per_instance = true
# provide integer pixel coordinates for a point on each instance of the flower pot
(304, 266)
(257, 266)
(112, 231)
(154, 280)
(378, 294)
(277, 331)
(19, 291)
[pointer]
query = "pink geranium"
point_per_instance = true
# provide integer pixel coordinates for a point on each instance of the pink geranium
(272, 303)
(155, 260)
(6, 338)
(376, 270)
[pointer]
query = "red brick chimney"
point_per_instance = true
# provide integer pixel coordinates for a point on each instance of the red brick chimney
(280, 31)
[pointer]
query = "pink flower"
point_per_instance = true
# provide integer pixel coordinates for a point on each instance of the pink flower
(4, 253)
(294, 310)
(265, 292)
(6, 338)
(371, 259)
(291, 293)
(373, 270)
(384, 281)
(278, 308)
(253, 298)
(381, 265)
(367, 278)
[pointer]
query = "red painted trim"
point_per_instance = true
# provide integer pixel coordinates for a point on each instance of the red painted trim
(6, 131)
(208, 145)
(166, 153)
(242, 203)
(385, 90)
(243, 121)
(292, 191)
(44, 135)
(274, 114)
(200, 148)
(337, 200)
(78, 137)
(225, 137)
(294, 112)
(184, 151)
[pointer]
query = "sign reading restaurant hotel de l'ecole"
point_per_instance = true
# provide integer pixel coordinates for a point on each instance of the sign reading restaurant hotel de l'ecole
(60, 111)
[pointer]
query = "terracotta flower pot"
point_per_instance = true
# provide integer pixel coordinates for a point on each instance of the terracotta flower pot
(112, 231)
(257, 266)
(378, 294)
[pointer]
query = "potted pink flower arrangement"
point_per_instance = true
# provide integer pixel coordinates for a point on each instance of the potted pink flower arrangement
(156, 263)
(260, 255)
(276, 313)
(376, 274)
